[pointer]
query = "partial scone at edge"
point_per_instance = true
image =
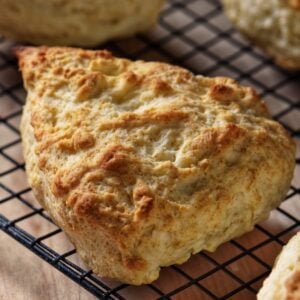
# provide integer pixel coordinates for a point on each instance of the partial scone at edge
(75, 22)
(143, 163)
(273, 25)
(284, 281)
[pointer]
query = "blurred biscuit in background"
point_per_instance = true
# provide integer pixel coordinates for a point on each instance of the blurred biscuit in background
(273, 25)
(75, 22)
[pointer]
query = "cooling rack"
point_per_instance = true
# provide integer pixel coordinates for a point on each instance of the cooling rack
(194, 34)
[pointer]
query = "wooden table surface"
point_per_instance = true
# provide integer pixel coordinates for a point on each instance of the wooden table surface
(24, 276)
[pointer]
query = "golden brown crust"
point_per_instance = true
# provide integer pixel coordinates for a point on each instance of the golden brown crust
(294, 4)
(133, 158)
(292, 286)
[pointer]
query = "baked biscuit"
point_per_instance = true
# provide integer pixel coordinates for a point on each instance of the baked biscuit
(76, 22)
(143, 163)
(284, 280)
(274, 25)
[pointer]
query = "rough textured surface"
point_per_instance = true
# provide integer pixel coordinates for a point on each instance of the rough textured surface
(75, 22)
(143, 163)
(284, 281)
(273, 25)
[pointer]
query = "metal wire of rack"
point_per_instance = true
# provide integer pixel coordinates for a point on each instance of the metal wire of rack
(194, 34)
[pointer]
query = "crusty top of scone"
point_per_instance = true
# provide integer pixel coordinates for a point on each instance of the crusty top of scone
(123, 141)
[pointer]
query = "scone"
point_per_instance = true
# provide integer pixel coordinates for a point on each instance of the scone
(284, 280)
(75, 22)
(274, 25)
(143, 163)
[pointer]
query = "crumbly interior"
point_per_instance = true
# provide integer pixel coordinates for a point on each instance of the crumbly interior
(274, 25)
(76, 22)
(143, 163)
(284, 280)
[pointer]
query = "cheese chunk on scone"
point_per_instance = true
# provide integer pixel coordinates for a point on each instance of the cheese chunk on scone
(143, 163)
(284, 280)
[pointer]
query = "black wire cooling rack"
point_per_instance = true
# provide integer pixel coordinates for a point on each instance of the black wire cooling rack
(194, 34)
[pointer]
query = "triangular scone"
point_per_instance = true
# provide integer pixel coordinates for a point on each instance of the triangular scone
(143, 163)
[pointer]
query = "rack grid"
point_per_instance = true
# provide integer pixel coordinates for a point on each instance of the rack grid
(194, 34)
